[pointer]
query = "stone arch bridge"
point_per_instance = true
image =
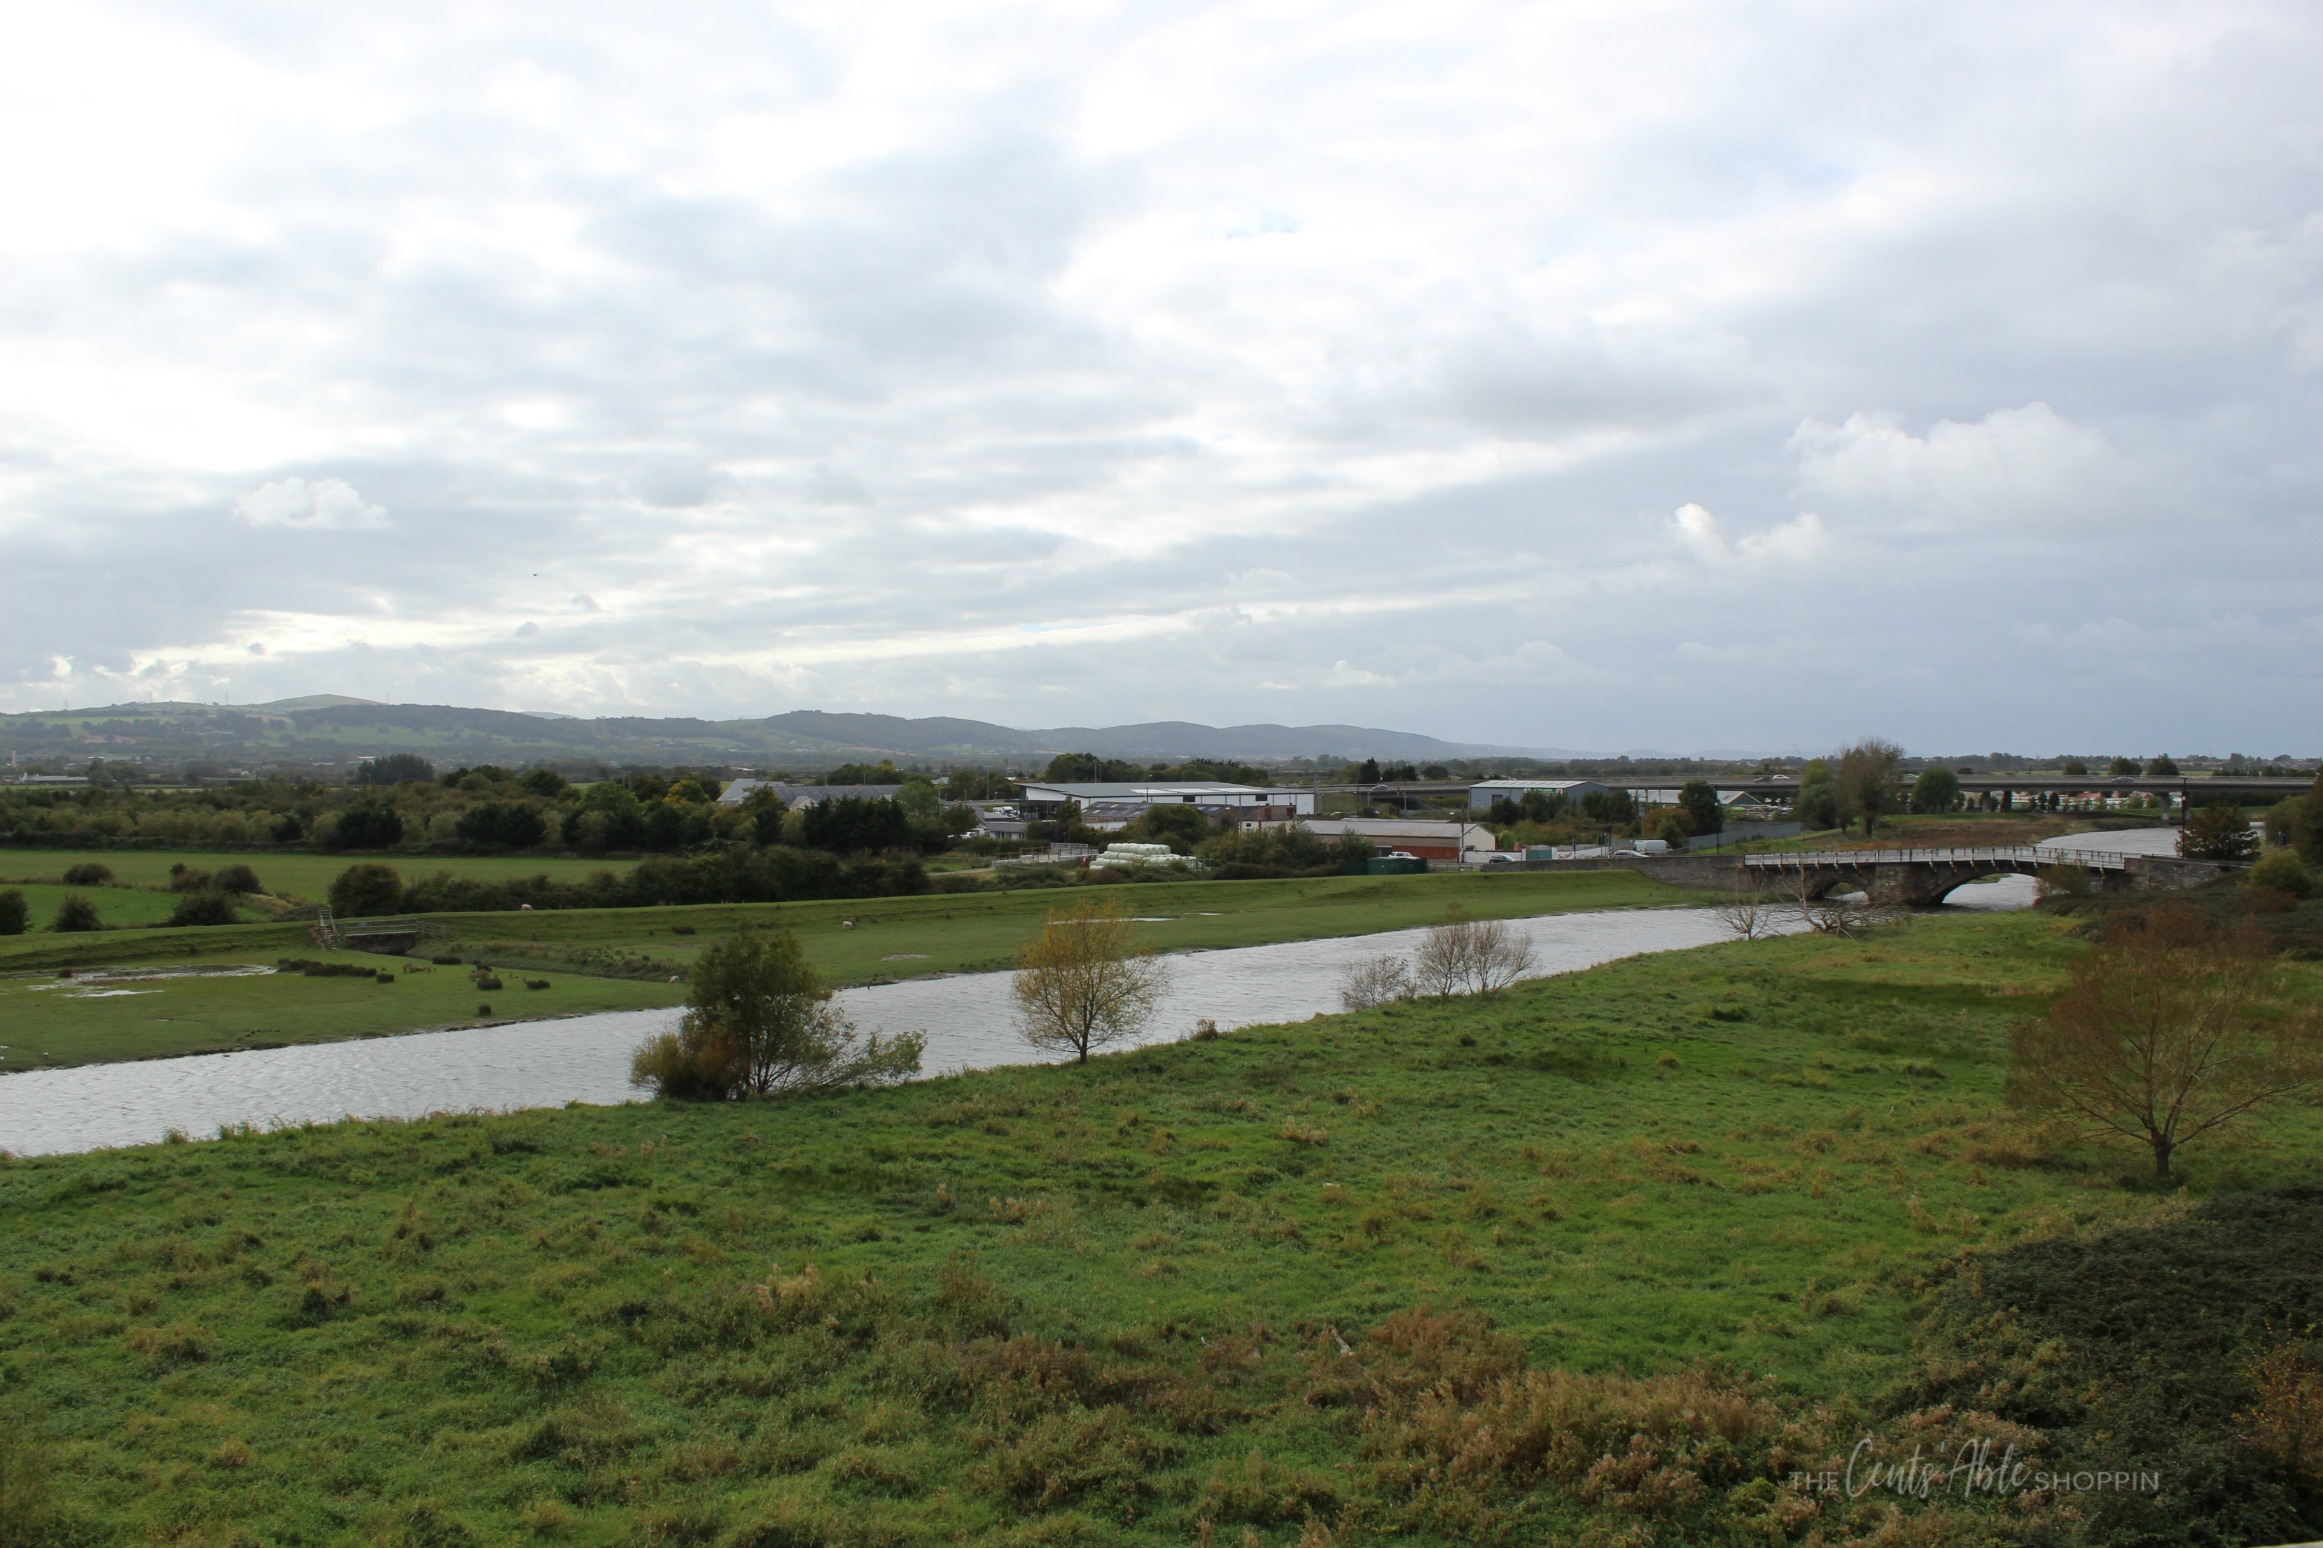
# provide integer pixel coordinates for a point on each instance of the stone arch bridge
(1922, 878)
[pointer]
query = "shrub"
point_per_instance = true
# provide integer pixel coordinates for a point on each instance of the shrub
(2286, 872)
(207, 907)
(239, 879)
(367, 888)
(88, 873)
(76, 914)
(15, 913)
(1375, 981)
(187, 878)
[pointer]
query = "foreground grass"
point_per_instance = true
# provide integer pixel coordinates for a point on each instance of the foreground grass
(623, 959)
(1163, 1298)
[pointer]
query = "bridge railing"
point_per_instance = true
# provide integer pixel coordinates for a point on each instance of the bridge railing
(2015, 854)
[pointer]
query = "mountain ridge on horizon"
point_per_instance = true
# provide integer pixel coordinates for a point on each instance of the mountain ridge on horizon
(322, 725)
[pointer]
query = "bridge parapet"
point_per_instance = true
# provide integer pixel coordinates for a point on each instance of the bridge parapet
(2010, 854)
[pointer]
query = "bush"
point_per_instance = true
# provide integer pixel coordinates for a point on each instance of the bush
(368, 888)
(207, 907)
(188, 878)
(239, 879)
(76, 914)
(2286, 872)
(89, 873)
(15, 913)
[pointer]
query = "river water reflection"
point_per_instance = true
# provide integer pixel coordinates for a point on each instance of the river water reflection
(586, 1058)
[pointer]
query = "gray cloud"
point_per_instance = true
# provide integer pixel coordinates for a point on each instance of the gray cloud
(1609, 381)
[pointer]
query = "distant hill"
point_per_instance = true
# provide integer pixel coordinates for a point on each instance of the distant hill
(336, 729)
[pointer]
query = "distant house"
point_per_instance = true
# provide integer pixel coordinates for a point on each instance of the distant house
(1413, 836)
(1046, 800)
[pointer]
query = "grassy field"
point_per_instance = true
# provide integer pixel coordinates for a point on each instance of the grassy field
(117, 907)
(1283, 1286)
(292, 875)
(154, 1012)
(622, 959)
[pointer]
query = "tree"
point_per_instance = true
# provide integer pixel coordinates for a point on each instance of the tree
(370, 825)
(1699, 798)
(1866, 780)
(2073, 766)
(2121, 768)
(1177, 825)
(15, 913)
(847, 825)
(548, 784)
(1086, 982)
(1752, 914)
(2162, 767)
(2218, 832)
(1936, 790)
(1540, 805)
(394, 769)
(368, 888)
(759, 1023)
(75, 915)
(89, 873)
(2303, 824)
(1079, 768)
(2166, 1031)
(502, 825)
(1817, 804)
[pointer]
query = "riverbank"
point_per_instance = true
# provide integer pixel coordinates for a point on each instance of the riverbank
(1100, 1304)
(624, 959)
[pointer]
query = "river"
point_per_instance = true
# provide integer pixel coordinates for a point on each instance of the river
(967, 1019)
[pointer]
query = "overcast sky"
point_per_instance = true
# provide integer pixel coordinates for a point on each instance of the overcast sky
(1602, 376)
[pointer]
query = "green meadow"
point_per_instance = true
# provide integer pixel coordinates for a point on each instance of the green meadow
(1608, 1258)
(622, 959)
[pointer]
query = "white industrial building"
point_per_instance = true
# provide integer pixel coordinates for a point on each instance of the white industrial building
(1482, 795)
(1042, 799)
